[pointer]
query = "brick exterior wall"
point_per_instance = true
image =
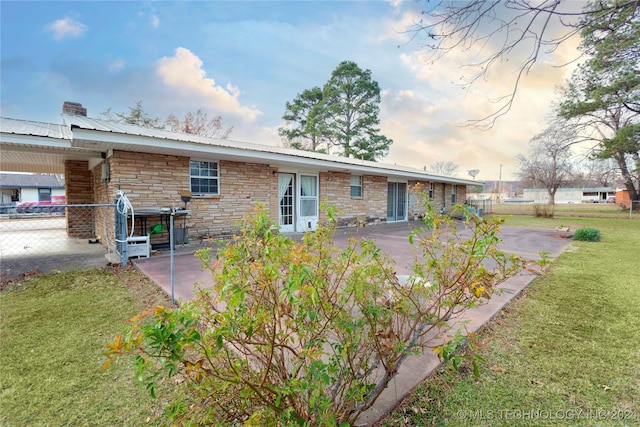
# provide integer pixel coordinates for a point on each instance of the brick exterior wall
(441, 197)
(79, 190)
(335, 189)
(153, 181)
(242, 186)
(105, 193)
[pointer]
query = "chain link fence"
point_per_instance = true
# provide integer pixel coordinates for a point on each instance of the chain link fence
(48, 240)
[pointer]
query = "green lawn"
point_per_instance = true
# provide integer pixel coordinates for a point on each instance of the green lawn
(570, 344)
(566, 353)
(567, 210)
(53, 332)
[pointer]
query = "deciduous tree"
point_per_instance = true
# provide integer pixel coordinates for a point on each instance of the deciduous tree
(199, 123)
(444, 168)
(548, 163)
(518, 31)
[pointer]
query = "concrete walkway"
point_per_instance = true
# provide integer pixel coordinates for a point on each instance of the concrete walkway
(392, 240)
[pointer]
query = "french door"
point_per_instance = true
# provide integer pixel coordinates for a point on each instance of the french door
(286, 202)
(308, 206)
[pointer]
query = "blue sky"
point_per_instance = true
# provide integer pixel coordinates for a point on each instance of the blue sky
(244, 60)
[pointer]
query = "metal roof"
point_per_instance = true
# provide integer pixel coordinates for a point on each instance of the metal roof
(583, 189)
(43, 147)
(26, 127)
(23, 180)
(28, 146)
(104, 135)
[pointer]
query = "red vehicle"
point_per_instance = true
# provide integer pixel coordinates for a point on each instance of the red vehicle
(56, 204)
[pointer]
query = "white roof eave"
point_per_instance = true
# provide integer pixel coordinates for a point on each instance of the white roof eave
(108, 140)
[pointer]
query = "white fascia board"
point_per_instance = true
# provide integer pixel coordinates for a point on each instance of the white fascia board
(40, 141)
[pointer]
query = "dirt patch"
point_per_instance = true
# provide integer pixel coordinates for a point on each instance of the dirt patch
(6, 282)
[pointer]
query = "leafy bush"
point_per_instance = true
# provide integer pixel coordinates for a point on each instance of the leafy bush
(543, 211)
(305, 333)
(587, 235)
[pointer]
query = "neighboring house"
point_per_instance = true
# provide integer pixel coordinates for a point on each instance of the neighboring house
(622, 197)
(225, 178)
(17, 188)
(570, 195)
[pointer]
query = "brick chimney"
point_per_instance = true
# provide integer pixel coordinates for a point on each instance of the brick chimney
(74, 109)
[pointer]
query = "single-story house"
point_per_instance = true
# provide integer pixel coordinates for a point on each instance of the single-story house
(570, 195)
(28, 187)
(224, 178)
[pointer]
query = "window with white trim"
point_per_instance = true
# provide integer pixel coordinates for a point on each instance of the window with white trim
(356, 186)
(205, 178)
(431, 191)
(453, 194)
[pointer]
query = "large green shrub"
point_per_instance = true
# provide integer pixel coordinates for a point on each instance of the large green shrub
(305, 333)
(587, 235)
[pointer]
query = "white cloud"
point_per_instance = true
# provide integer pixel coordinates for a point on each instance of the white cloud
(184, 73)
(116, 65)
(150, 11)
(155, 21)
(66, 28)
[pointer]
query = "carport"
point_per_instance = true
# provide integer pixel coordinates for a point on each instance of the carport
(35, 147)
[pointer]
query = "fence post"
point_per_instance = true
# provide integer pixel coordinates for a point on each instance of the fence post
(171, 244)
(121, 233)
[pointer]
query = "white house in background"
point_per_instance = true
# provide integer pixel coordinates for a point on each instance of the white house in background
(29, 187)
(570, 195)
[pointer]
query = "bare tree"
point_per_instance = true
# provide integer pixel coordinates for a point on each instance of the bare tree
(443, 168)
(549, 163)
(199, 123)
(604, 172)
(505, 30)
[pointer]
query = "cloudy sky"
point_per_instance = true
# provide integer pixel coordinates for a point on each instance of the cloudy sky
(244, 60)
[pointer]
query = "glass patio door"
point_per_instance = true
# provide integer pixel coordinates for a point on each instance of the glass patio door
(396, 201)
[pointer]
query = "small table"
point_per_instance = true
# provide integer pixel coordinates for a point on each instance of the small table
(142, 216)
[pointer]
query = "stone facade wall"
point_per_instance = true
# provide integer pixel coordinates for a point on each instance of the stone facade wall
(335, 188)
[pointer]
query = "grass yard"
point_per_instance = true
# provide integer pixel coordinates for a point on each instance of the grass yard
(569, 348)
(53, 332)
(566, 210)
(566, 353)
